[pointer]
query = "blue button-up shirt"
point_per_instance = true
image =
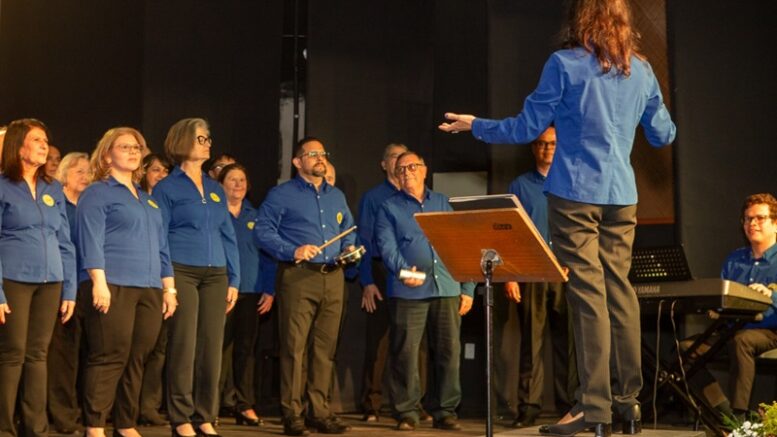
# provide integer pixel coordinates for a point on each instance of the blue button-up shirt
(528, 187)
(595, 116)
(35, 244)
(740, 266)
(368, 211)
(295, 214)
(257, 271)
(121, 235)
(70, 209)
(403, 244)
(198, 227)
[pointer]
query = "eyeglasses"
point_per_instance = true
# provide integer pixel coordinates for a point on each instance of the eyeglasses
(759, 219)
(315, 154)
(545, 144)
(201, 140)
(402, 169)
(127, 148)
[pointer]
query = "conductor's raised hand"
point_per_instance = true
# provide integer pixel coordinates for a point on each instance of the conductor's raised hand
(306, 252)
(457, 123)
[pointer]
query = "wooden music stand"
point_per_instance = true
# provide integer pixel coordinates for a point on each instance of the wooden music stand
(498, 245)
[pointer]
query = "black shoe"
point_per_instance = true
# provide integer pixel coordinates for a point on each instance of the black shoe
(371, 416)
(202, 433)
(577, 426)
(406, 424)
(448, 423)
(174, 426)
(242, 419)
(329, 425)
(294, 425)
(527, 415)
(632, 420)
(341, 422)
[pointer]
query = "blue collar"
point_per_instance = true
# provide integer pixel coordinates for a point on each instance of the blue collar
(427, 195)
(303, 184)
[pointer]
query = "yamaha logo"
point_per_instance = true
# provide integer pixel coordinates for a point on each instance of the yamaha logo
(502, 226)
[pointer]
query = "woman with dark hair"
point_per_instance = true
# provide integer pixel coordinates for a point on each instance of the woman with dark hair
(595, 90)
(207, 271)
(155, 168)
(126, 275)
(37, 267)
(257, 278)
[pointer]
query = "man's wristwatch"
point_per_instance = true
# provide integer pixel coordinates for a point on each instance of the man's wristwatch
(170, 290)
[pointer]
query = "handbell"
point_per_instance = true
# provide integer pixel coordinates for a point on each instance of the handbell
(350, 256)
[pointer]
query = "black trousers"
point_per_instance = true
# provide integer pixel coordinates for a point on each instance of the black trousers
(543, 304)
(595, 242)
(240, 336)
(409, 322)
(151, 393)
(195, 338)
(376, 350)
(119, 343)
(66, 359)
(24, 343)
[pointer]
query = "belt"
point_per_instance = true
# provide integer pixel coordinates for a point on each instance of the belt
(318, 267)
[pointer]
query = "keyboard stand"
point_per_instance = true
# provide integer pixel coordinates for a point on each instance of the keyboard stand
(671, 375)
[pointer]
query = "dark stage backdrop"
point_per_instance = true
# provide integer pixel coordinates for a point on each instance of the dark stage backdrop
(381, 72)
(725, 94)
(84, 67)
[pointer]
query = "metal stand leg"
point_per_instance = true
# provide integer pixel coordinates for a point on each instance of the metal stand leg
(488, 261)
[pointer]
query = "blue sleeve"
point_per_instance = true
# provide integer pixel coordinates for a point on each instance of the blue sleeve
(539, 110)
(268, 267)
(656, 121)
(387, 242)
(67, 251)
(90, 225)
(348, 223)
(2, 213)
(266, 230)
(229, 240)
(165, 205)
(164, 251)
(366, 231)
(514, 188)
(468, 288)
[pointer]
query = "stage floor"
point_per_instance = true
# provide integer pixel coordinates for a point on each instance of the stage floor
(471, 427)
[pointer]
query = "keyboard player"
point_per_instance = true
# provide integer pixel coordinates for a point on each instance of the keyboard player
(756, 266)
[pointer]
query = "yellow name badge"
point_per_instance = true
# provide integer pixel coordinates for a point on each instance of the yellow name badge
(215, 197)
(48, 200)
(339, 218)
(251, 225)
(153, 204)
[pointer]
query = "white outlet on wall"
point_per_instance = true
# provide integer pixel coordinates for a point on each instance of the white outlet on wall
(469, 351)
